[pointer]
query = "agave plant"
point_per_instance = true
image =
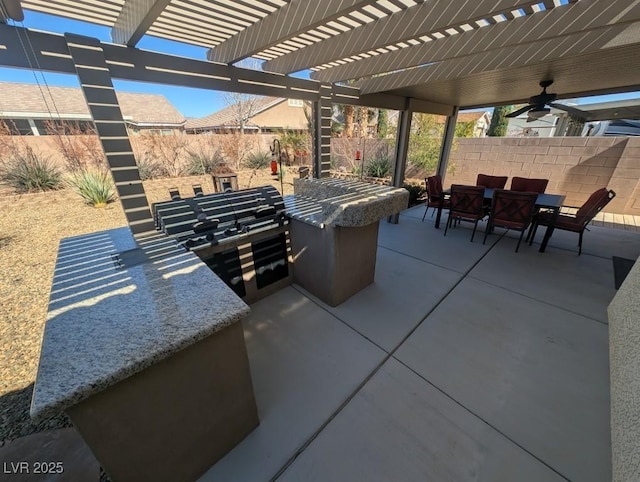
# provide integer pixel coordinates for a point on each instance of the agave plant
(26, 172)
(95, 187)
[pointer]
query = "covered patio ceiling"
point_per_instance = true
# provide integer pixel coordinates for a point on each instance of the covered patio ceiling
(465, 53)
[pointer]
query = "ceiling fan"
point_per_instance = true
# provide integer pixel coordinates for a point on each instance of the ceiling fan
(539, 105)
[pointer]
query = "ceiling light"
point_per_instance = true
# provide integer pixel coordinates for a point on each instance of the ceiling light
(535, 114)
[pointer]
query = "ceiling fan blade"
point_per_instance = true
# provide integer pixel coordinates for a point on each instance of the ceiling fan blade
(516, 113)
(571, 110)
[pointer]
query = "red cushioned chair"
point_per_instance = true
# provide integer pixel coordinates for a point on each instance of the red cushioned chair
(524, 184)
(466, 204)
(434, 193)
(577, 222)
(511, 210)
(491, 182)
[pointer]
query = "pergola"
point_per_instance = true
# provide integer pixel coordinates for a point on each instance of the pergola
(410, 55)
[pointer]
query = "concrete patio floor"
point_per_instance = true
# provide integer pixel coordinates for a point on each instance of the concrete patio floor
(462, 362)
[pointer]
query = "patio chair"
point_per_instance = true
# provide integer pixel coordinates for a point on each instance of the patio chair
(511, 210)
(525, 184)
(466, 204)
(577, 222)
(174, 194)
(197, 190)
(491, 182)
(434, 193)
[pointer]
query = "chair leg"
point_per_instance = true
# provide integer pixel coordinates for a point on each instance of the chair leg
(432, 212)
(580, 243)
(475, 226)
(533, 233)
(425, 213)
(449, 219)
(533, 223)
(486, 232)
(520, 240)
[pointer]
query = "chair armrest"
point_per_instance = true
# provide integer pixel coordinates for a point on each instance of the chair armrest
(572, 209)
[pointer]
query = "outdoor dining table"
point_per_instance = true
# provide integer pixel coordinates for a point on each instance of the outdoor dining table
(552, 202)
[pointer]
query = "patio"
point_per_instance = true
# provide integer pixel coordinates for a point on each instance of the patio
(461, 362)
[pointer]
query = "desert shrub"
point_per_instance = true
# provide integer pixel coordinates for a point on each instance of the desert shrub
(257, 160)
(78, 145)
(149, 169)
(168, 151)
(95, 187)
(292, 142)
(379, 166)
(236, 146)
(416, 191)
(201, 162)
(26, 171)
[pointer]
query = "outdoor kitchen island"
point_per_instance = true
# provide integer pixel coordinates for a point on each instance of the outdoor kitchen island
(334, 233)
(144, 350)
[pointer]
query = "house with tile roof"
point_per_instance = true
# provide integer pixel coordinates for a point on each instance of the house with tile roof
(28, 109)
(269, 114)
(480, 119)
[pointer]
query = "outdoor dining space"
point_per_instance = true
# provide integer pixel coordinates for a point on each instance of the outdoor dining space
(525, 206)
(462, 361)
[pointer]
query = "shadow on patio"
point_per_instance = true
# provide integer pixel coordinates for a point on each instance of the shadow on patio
(461, 362)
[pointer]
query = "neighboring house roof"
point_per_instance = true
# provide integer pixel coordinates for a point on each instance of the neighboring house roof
(23, 100)
(472, 116)
(462, 117)
(227, 117)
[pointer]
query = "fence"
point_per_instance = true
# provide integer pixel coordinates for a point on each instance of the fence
(575, 166)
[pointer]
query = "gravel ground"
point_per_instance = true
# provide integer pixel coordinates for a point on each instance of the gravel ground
(31, 227)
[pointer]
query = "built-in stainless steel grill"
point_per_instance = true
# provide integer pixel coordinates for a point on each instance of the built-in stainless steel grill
(241, 235)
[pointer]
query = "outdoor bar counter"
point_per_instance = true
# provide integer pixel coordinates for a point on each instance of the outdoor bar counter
(624, 361)
(334, 233)
(144, 350)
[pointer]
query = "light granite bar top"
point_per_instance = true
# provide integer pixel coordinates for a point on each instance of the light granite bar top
(338, 202)
(106, 323)
(624, 366)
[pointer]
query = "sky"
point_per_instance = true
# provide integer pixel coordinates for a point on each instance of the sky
(190, 102)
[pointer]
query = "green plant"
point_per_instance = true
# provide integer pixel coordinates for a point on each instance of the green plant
(95, 187)
(416, 191)
(201, 162)
(498, 126)
(27, 171)
(257, 160)
(292, 142)
(379, 166)
(382, 126)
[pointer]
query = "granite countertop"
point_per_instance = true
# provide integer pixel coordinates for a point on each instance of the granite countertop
(107, 321)
(305, 209)
(337, 202)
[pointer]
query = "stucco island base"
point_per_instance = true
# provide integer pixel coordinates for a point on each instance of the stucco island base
(333, 263)
(175, 419)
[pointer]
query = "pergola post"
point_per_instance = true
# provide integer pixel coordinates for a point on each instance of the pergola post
(322, 113)
(402, 147)
(96, 85)
(447, 142)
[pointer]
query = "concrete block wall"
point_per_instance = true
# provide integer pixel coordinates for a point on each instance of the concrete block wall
(575, 166)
